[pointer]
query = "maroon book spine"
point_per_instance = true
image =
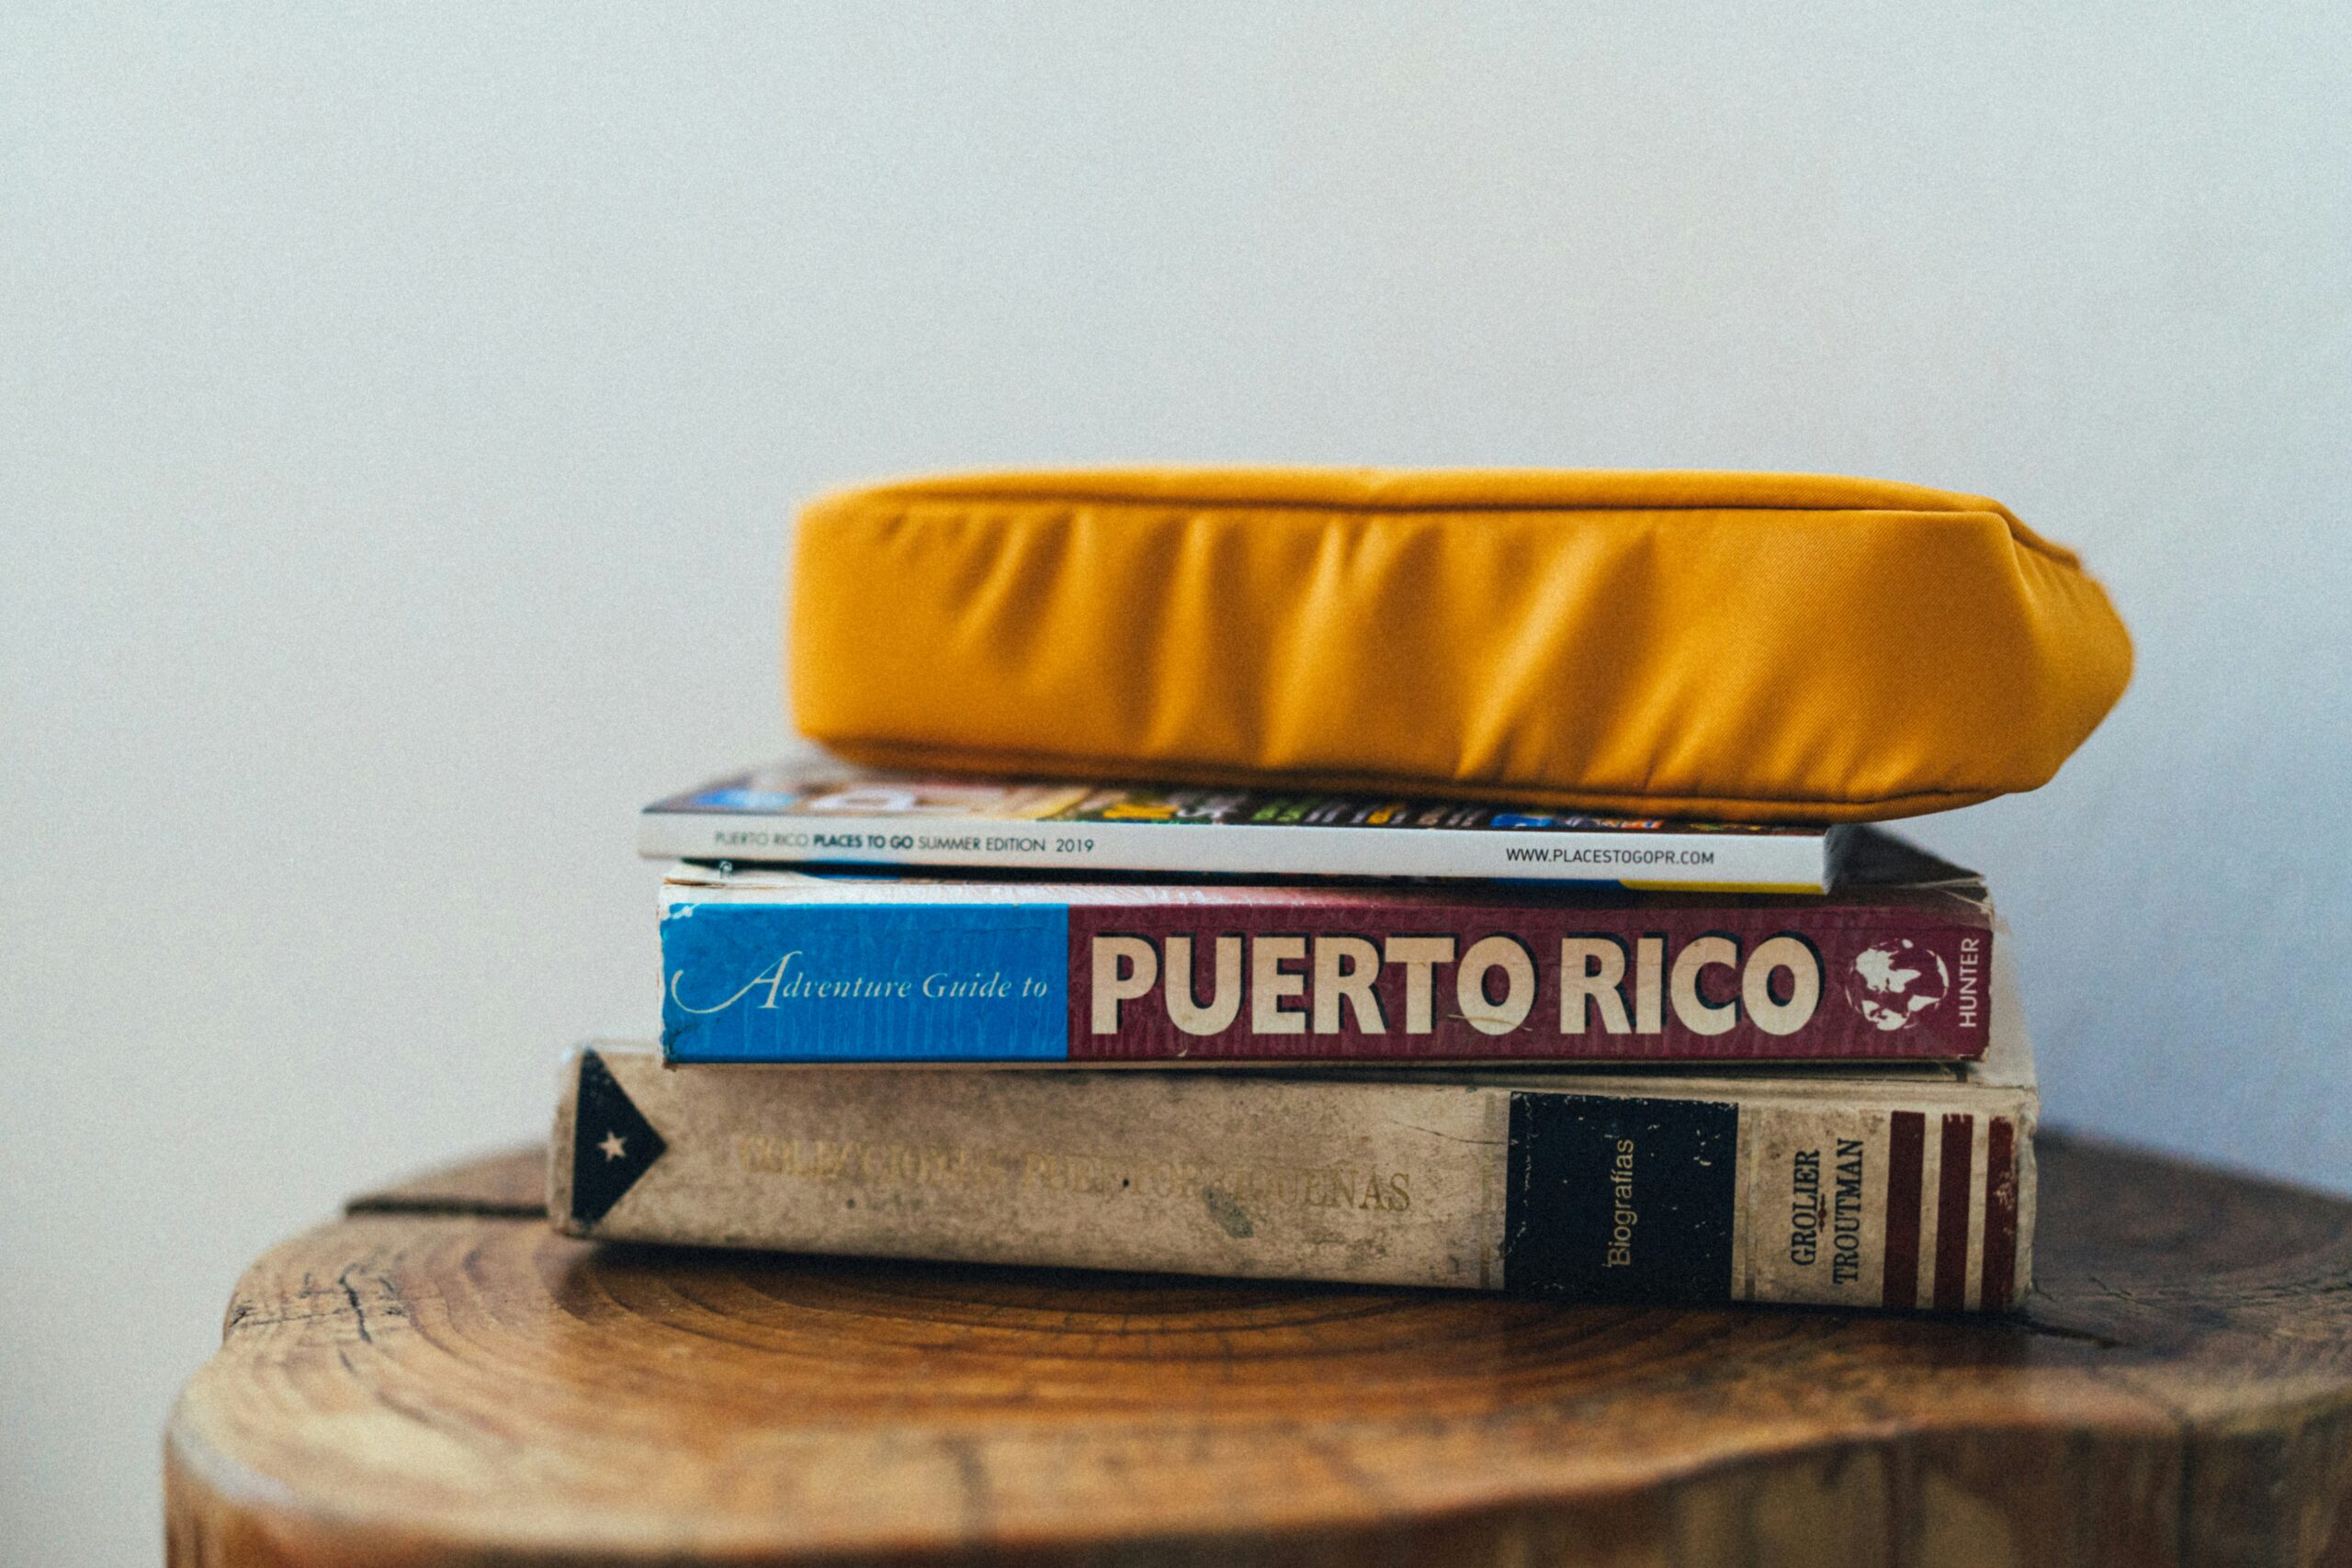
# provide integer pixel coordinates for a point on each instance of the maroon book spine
(1318, 977)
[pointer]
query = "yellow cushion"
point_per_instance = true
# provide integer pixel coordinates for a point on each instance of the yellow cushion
(1751, 647)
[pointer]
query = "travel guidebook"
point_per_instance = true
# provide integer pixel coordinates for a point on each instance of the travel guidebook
(773, 965)
(824, 811)
(1901, 1186)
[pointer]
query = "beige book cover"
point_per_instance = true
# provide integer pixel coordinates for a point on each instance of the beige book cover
(1898, 1186)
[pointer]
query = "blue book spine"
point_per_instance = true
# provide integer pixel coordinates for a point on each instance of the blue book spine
(865, 983)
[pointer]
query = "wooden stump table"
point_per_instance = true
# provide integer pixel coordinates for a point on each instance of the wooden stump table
(438, 1377)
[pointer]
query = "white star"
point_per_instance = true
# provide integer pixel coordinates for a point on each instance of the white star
(612, 1146)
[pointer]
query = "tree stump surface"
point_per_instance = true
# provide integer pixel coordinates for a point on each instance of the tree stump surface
(439, 1377)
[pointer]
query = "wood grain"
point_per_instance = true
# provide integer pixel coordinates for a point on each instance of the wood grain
(436, 1378)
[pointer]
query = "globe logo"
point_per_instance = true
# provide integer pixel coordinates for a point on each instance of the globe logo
(1893, 983)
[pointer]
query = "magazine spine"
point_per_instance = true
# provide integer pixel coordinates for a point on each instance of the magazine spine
(1782, 863)
(1852, 1194)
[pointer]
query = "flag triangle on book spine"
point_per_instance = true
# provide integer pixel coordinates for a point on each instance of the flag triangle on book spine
(612, 1143)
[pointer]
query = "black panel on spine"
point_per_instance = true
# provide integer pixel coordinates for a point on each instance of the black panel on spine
(612, 1143)
(1620, 1199)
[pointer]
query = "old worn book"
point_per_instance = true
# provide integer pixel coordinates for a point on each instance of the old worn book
(1897, 1186)
(771, 965)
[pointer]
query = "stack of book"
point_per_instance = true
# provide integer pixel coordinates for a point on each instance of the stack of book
(1314, 1037)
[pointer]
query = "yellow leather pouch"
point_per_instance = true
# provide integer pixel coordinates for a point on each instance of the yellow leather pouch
(1748, 647)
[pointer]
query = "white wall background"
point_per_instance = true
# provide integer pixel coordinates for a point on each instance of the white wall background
(400, 411)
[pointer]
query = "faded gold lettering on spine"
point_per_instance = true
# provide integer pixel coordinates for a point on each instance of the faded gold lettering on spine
(1362, 1188)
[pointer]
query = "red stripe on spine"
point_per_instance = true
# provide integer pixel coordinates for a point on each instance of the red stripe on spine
(1952, 1213)
(1907, 1145)
(2000, 1215)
